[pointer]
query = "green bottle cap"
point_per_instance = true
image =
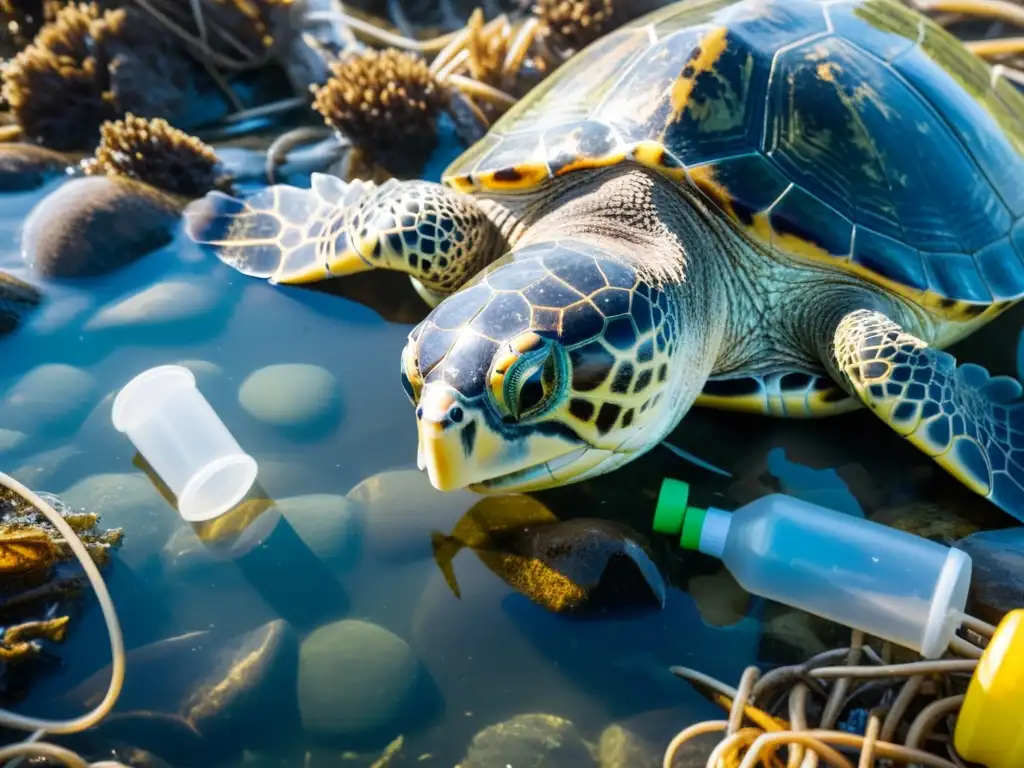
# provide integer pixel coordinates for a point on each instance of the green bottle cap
(671, 508)
(693, 524)
(673, 516)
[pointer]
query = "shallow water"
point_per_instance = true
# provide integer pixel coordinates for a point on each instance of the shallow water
(486, 656)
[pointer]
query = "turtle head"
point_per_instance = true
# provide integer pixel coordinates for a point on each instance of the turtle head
(551, 367)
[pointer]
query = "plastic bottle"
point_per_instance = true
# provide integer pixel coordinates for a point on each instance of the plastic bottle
(888, 583)
(183, 439)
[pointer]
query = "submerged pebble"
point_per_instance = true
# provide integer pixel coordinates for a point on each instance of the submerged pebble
(25, 167)
(204, 371)
(997, 579)
(323, 522)
(620, 748)
(53, 398)
(355, 679)
(11, 439)
(292, 395)
(537, 741)
(720, 599)
(164, 304)
(95, 225)
(43, 470)
(128, 501)
(17, 298)
(401, 509)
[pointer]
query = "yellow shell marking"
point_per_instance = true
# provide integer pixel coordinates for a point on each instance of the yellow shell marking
(518, 177)
(966, 315)
(703, 59)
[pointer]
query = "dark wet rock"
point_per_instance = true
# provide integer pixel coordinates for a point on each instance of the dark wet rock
(790, 636)
(53, 398)
(229, 690)
(536, 741)
(720, 599)
(937, 521)
(27, 166)
(997, 579)
(95, 225)
(401, 509)
(581, 566)
(619, 748)
(355, 679)
(17, 299)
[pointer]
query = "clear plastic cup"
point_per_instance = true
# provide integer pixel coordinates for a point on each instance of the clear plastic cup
(177, 431)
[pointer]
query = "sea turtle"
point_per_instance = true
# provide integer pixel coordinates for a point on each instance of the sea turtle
(787, 207)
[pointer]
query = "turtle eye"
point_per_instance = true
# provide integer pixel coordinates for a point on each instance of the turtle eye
(530, 383)
(411, 381)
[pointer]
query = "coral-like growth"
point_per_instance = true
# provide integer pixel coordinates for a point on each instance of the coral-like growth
(155, 153)
(90, 65)
(385, 101)
(574, 24)
(54, 87)
(19, 22)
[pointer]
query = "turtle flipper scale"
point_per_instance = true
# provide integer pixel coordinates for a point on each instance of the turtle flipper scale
(291, 235)
(970, 422)
(283, 233)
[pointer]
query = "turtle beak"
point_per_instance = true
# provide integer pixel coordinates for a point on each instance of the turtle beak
(445, 439)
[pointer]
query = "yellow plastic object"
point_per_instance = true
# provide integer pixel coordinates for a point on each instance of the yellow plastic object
(988, 730)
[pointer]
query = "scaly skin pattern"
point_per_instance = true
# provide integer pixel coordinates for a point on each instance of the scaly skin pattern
(971, 423)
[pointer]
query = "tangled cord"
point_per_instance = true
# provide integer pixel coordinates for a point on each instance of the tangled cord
(32, 747)
(757, 700)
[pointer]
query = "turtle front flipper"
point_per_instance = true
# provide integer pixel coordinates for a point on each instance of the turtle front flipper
(970, 422)
(291, 235)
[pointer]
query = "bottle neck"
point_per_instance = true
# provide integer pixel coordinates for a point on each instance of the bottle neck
(714, 532)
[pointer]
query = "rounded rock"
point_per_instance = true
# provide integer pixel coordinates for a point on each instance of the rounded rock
(24, 167)
(355, 678)
(131, 502)
(997, 582)
(536, 740)
(402, 509)
(165, 304)
(96, 225)
(53, 397)
(292, 396)
(10, 439)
